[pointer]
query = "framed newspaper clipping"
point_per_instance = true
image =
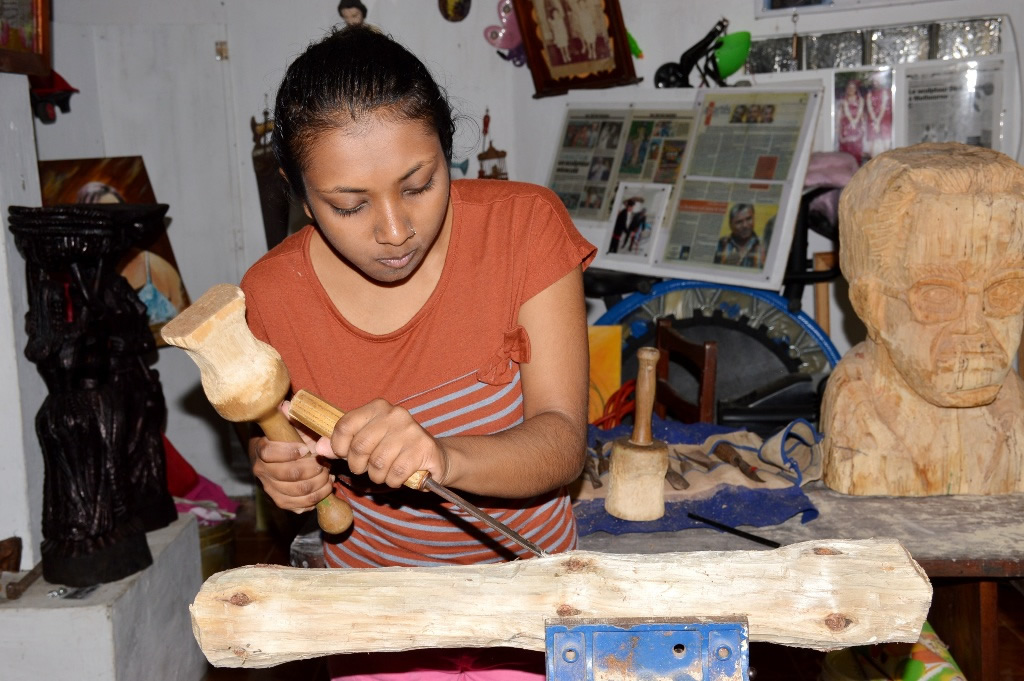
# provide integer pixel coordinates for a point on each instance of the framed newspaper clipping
(960, 101)
(734, 209)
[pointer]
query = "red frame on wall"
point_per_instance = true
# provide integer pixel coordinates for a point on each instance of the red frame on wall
(17, 56)
(557, 70)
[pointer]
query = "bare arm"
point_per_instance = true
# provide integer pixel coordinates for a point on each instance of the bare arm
(544, 452)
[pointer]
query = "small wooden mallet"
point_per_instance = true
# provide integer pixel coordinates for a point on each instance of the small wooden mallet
(243, 377)
(636, 481)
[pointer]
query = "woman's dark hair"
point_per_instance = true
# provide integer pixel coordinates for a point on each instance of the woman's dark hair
(353, 72)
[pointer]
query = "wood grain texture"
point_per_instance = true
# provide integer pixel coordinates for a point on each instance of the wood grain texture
(821, 594)
(933, 249)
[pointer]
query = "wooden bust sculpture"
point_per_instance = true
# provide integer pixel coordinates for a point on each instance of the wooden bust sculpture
(932, 244)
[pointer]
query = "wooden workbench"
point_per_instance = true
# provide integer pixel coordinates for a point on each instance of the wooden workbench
(965, 544)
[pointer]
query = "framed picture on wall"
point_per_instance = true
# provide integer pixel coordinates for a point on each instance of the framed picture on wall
(150, 268)
(960, 101)
(573, 44)
(763, 8)
(863, 112)
(629, 237)
(25, 36)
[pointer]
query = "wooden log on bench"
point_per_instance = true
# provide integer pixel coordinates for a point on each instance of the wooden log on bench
(822, 594)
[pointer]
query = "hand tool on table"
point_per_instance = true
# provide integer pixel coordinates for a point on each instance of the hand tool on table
(243, 377)
(14, 590)
(727, 453)
(636, 480)
(677, 478)
(321, 417)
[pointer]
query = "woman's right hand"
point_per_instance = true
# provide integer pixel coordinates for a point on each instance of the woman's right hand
(292, 476)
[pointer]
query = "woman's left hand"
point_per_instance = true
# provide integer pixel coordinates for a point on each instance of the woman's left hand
(386, 443)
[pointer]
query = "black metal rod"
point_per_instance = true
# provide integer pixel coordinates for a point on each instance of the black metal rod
(733, 530)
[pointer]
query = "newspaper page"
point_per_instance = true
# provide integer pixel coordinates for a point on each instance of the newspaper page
(748, 135)
(723, 223)
(956, 102)
(719, 221)
(655, 146)
(586, 164)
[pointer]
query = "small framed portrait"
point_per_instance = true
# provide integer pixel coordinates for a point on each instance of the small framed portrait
(637, 215)
(573, 44)
(25, 36)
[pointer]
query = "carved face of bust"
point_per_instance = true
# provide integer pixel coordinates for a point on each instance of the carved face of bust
(950, 314)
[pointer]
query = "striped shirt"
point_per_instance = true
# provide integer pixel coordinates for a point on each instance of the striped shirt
(454, 366)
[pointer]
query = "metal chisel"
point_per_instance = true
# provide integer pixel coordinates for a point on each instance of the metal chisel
(321, 417)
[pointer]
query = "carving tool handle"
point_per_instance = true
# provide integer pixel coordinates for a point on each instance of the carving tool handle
(333, 514)
(644, 399)
(321, 416)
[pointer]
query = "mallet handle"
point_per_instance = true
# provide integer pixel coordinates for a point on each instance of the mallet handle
(644, 399)
(333, 514)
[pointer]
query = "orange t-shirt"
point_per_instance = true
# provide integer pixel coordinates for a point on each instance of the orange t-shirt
(454, 366)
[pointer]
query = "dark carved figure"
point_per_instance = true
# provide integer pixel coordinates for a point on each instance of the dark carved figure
(100, 425)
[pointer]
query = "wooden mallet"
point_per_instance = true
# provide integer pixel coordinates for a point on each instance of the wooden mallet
(636, 481)
(243, 377)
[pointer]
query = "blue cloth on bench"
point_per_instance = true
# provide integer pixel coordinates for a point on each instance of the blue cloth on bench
(730, 504)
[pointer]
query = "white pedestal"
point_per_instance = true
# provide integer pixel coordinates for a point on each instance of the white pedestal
(133, 629)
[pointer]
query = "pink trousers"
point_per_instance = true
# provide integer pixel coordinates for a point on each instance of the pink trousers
(458, 664)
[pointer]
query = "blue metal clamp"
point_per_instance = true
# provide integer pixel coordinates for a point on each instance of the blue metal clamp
(698, 649)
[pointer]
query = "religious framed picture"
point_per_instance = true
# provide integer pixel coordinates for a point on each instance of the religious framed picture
(862, 112)
(574, 44)
(25, 36)
(150, 268)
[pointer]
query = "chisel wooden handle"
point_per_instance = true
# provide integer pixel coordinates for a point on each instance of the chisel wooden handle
(321, 416)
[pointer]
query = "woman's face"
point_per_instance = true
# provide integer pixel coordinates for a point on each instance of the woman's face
(379, 191)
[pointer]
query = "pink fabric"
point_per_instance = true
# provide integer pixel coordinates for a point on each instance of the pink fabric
(206, 489)
(462, 664)
(829, 168)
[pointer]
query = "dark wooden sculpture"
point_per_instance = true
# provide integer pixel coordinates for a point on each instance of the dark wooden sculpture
(100, 425)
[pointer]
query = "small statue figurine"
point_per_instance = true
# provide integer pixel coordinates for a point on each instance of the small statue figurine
(352, 12)
(933, 248)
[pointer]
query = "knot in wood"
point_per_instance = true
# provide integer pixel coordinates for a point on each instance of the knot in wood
(240, 599)
(837, 621)
(575, 564)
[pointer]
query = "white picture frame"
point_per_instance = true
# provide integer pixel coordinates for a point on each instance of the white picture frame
(629, 236)
(773, 8)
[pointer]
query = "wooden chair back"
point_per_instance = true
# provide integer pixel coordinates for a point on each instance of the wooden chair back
(701, 358)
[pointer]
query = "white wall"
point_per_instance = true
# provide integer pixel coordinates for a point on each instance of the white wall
(151, 86)
(21, 463)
